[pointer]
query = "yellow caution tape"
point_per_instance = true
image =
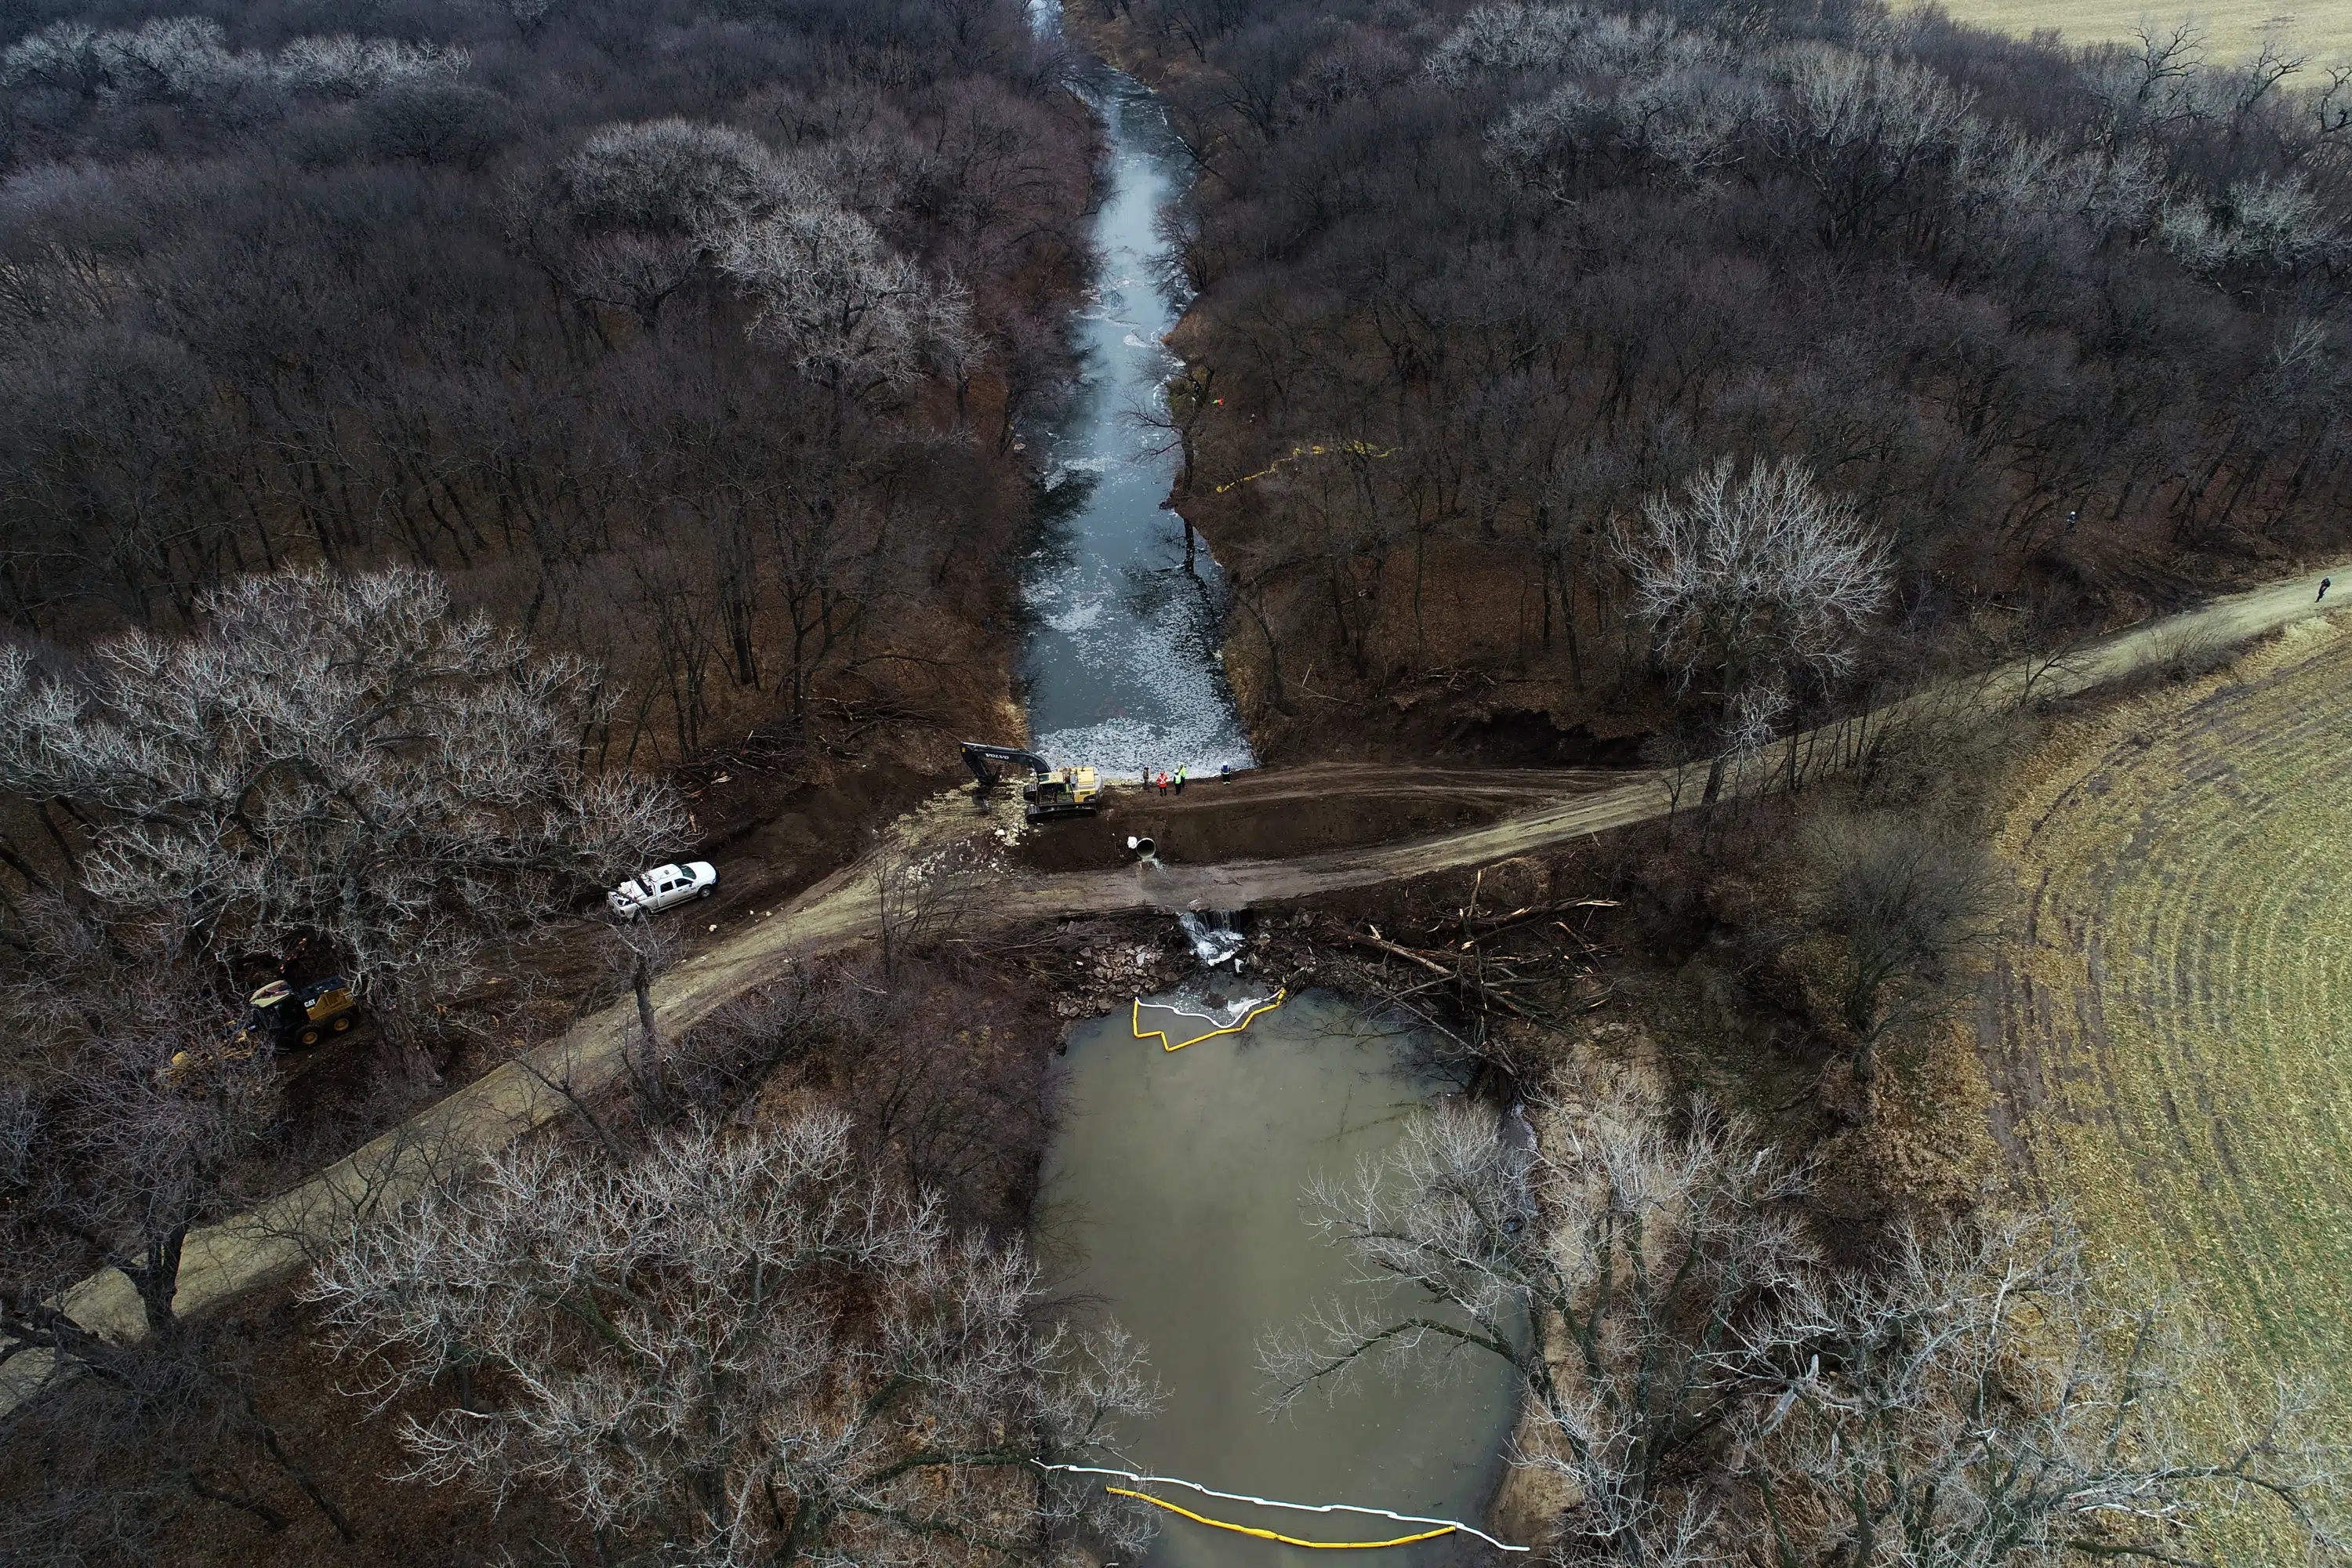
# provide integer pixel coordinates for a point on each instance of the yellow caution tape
(1285, 1540)
(1357, 448)
(1235, 1028)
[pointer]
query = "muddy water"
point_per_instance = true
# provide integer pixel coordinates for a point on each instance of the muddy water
(1172, 1194)
(1121, 669)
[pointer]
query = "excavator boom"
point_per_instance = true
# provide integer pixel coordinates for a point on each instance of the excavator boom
(1054, 792)
(978, 757)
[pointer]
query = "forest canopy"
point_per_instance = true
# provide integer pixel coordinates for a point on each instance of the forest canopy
(548, 297)
(2064, 325)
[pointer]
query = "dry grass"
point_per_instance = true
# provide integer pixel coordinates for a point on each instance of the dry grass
(2172, 1054)
(2322, 28)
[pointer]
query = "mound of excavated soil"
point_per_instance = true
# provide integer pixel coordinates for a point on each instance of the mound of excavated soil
(1275, 814)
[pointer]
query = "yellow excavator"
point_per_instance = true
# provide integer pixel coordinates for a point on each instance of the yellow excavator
(1051, 792)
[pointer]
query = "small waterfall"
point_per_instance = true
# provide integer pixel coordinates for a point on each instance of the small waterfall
(1214, 939)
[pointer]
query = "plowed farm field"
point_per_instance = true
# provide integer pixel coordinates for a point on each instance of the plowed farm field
(2171, 1042)
(2232, 29)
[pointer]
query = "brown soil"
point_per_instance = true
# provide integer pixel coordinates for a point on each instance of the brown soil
(1505, 722)
(773, 831)
(350, 1450)
(1279, 813)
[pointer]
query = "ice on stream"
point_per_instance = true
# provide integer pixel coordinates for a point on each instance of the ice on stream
(1083, 616)
(1123, 671)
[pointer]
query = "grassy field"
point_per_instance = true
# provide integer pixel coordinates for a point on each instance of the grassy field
(2321, 29)
(2170, 1050)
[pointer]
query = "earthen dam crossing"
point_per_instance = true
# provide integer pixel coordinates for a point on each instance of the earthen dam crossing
(1538, 809)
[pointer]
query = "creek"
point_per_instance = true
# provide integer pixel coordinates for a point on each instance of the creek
(1172, 1191)
(1121, 669)
(1172, 1194)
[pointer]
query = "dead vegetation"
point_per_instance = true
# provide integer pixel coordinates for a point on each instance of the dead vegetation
(925, 1079)
(1705, 1386)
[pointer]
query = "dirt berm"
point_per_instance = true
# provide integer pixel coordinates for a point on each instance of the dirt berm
(1267, 837)
(1289, 812)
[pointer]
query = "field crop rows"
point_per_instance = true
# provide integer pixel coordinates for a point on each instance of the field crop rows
(2321, 29)
(2173, 1057)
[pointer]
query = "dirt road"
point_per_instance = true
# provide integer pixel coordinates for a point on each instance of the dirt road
(269, 1243)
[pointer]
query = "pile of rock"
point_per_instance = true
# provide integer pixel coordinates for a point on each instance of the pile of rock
(1107, 975)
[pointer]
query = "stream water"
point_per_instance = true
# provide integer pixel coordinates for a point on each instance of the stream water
(1173, 1190)
(1172, 1194)
(1122, 669)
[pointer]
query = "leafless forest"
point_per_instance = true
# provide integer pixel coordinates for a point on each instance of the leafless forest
(1477, 283)
(439, 439)
(424, 427)
(690, 339)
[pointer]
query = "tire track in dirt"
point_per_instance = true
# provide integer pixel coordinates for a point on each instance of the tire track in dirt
(269, 1242)
(2170, 1051)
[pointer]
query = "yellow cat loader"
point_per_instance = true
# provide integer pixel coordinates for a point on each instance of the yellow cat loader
(303, 1015)
(280, 1017)
(1051, 792)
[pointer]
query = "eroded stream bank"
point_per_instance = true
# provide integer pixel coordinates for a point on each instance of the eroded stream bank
(1172, 1194)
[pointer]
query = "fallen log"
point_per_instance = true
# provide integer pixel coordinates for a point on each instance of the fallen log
(1467, 981)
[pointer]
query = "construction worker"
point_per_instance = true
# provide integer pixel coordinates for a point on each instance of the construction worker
(1224, 773)
(1163, 781)
(1179, 781)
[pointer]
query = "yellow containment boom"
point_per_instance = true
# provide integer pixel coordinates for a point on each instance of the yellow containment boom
(1437, 1526)
(1285, 1540)
(1167, 1043)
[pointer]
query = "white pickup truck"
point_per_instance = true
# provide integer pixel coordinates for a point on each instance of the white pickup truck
(658, 889)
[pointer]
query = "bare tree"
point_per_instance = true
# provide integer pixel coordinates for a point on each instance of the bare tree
(675, 177)
(1753, 583)
(923, 893)
(947, 1084)
(738, 1348)
(626, 220)
(862, 324)
(1681, 107)
(1904, 902)
(1512, 37)
(341, 66)
(2147, 92)
(642, 950)
(114, 1155)
(1973, 1399)
(341, 756)
(708, 1068)
(1988, 1399)
(187, 60)
(158, 1432)
(124, 1118)
(1629, 1280)
(855, 318)
(1863, 129)
(2277, 224)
